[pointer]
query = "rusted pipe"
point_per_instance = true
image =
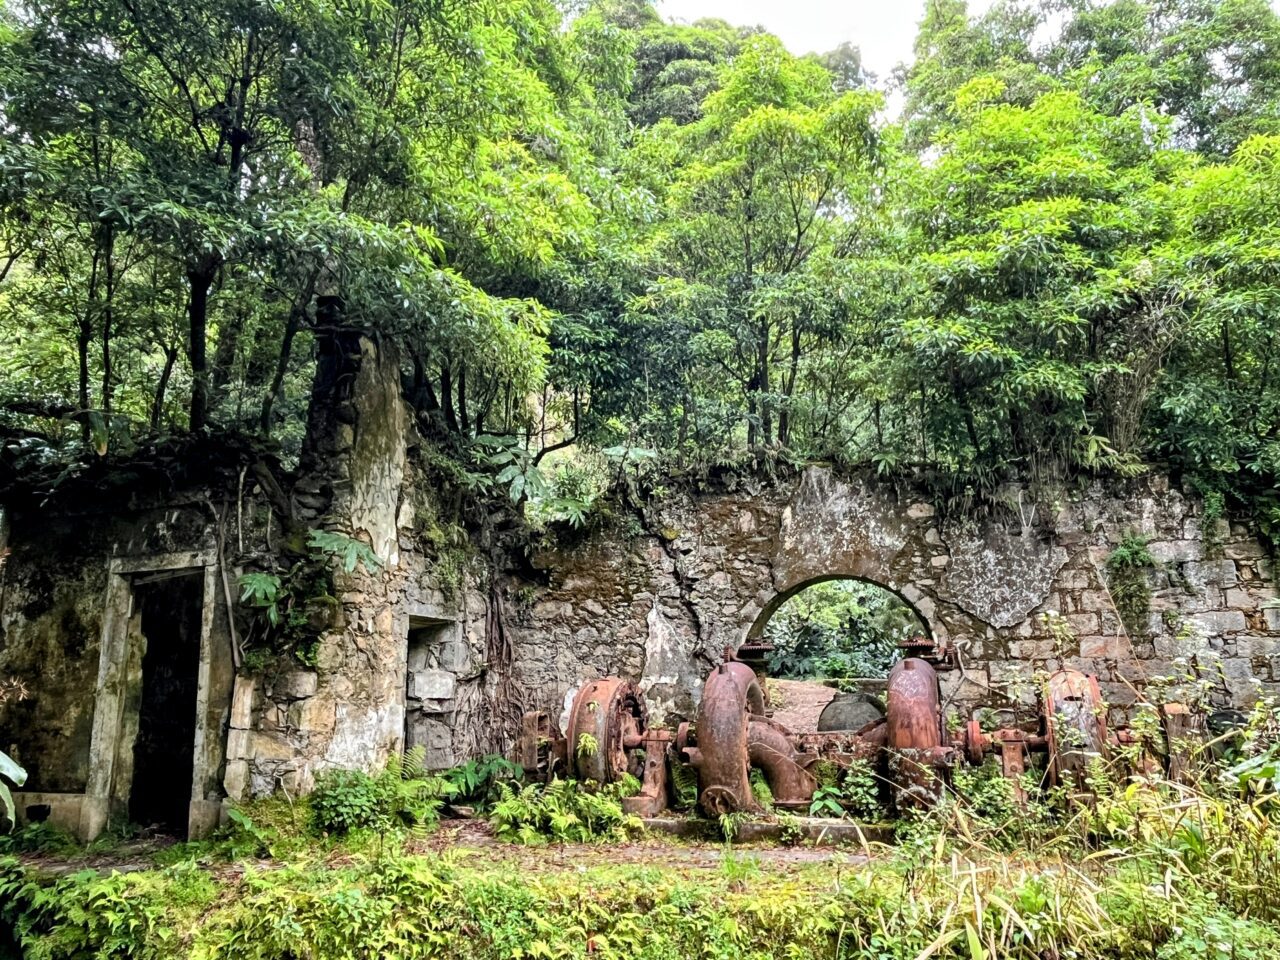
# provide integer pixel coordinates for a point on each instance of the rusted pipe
(769, 747)
(730, 697)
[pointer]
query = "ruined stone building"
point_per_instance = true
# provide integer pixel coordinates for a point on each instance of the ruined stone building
(115, 606)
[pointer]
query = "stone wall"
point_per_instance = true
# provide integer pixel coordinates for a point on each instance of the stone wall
(705, 571)
(448, 655)
(65, 635)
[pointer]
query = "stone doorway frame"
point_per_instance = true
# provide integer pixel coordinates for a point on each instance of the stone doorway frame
(109, 694)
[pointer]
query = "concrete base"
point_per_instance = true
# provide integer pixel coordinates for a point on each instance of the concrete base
(87, 817)
(823, 831)
(64, 809)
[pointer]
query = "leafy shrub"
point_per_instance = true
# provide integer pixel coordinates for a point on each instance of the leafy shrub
(562, 811)
(477, 780)
(853, 788)
(403, 795)
(346, 800)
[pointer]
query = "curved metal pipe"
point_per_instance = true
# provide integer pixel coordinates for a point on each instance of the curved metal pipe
(729, 698)
(769, 748)
(733, 736)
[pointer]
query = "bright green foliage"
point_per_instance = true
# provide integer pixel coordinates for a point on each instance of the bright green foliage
(403, 795)
(605, 231)
(264, 591)
(1198, 879)
(563, 812)
(480, 779)
(348, 550)
(1127, 568)
(839, 629)
(757, 185)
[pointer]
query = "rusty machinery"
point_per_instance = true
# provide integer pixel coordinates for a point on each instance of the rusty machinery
(608, 736)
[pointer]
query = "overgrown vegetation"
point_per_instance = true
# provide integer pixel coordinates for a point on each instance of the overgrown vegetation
(1127, 568)
(292, 608)
(1197, 878)
(604, 242)
(1150, 868)
(562, 811)
(403, 795)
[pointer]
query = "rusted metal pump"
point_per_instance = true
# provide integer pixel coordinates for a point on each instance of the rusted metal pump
(734, 735)
(608, 736)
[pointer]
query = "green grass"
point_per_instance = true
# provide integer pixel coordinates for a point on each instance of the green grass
(1180, 876)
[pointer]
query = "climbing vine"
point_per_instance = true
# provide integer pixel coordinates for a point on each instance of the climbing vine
(1127, 568)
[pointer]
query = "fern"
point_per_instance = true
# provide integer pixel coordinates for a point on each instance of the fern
(350, 551)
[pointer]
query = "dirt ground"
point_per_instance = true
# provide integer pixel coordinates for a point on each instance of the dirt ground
(475, 841)
(657, 851)
(797, 704)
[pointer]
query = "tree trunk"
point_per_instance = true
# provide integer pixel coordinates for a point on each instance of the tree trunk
(157, 405)
(788, 387)
(762, 377)
(464, 420)
(109, 271)
(224, 354)
(200, 279)
(446, 396)
(282, 367)
(83, 338)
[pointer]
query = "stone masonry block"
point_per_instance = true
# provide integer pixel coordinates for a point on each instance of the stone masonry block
(242, 704)
(1176, 551)
(313, 715)
(1217, 622)
(296, 685)
(1218, 572)
(1109, 648)
(1244, 550)
(236, 778)
(1083, 623)
(238, 744)
(1271, 616)
(432, 685)
(1252, 645)
(266, 747)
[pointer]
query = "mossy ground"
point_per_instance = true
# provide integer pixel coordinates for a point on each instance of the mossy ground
(456, 892)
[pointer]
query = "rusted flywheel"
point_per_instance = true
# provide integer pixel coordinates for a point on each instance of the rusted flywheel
(608, 721)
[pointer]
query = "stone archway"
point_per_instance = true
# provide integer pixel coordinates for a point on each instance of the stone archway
(756, 630)
(837, 646)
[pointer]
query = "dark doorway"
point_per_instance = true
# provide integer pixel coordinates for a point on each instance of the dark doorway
(169, 607)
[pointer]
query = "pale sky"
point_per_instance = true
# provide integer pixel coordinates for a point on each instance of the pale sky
(884, 29)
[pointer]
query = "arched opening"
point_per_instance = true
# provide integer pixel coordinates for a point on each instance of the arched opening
(827, 646)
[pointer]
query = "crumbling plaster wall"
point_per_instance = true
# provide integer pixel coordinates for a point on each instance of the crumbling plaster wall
(52, 592)
(357, 478)
(662, 606)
